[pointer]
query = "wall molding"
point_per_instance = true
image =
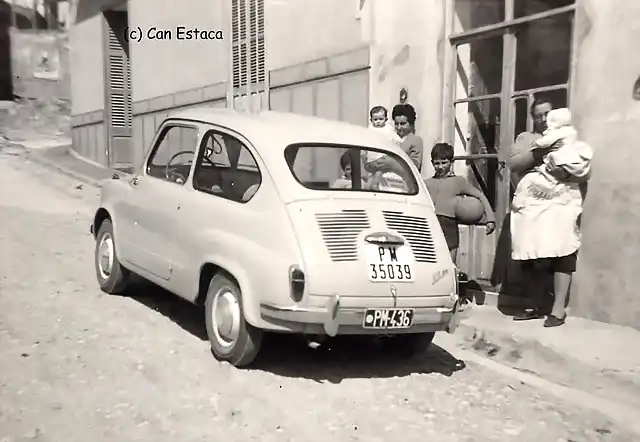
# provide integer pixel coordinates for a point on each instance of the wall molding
(202, 94)
(189, 97)
(87, 119)
(321, 68)
(326, 67)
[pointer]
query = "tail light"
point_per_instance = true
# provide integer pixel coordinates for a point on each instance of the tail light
(296, 283)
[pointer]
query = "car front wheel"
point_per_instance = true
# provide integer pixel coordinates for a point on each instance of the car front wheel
(112, 277)
(232, 339)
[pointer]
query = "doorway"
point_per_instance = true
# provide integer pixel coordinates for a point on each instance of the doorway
(504, 54)
(118, 109)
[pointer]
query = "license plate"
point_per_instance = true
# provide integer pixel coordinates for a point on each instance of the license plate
(389, 264)
(388, 318)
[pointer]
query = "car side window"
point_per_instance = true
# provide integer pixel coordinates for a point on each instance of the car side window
(226, 168)
(173, 154)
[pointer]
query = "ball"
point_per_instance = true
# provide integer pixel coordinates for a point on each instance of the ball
(469, 210)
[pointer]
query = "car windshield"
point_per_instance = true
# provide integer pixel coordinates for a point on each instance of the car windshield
(350, 168)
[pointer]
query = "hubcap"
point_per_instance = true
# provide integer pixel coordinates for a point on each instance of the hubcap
(226, 317)
(105, 256)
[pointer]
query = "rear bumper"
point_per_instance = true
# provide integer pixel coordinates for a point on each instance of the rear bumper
(335, 319)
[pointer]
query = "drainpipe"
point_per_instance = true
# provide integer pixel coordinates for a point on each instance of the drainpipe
(14, 18)
(34, 14)
(371, 6)
(372, 22)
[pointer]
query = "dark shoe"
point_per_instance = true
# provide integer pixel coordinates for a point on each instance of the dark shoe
(529, 314)
(554, 321)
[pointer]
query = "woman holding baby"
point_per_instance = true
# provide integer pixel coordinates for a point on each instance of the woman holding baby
(545, 236)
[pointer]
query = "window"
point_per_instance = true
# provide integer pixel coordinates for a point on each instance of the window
(226, 168)
(247, 25)
(505, 53)
(173, 153)
(349, 168)
(523, 8)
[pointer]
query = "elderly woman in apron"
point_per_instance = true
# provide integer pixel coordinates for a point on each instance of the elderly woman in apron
(545, 232)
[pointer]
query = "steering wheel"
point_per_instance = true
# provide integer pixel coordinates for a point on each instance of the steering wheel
(173, 175)
(177, 177)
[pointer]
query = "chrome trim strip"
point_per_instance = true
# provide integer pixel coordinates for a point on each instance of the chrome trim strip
(384, 238)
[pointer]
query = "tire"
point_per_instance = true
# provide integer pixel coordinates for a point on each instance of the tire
(409, 345)
(240, 345)
(112, 277)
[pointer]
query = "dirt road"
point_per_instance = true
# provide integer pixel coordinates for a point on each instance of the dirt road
(79, 365)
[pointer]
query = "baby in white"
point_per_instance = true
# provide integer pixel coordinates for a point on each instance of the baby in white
(567, 152)
(373, 160)
(379, 121)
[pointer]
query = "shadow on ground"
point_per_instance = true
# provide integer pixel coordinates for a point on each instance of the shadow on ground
(347, 357)
(187, 316)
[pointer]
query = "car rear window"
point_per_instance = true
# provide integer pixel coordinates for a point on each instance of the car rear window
(350, 169)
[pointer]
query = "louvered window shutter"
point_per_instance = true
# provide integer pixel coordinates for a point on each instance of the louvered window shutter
(256, 37)
(248, 53)
(118, 81)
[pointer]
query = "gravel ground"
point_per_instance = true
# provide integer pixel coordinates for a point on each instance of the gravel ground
(79, 365)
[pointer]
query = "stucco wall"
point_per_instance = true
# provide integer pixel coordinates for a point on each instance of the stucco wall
(40, 64)
(161, 67)
(86, 66)
(321, 28)
(609, 119)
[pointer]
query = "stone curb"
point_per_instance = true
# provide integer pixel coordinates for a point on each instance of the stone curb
(51, 164)
(491, 342)
(528, 354)
(40, 158)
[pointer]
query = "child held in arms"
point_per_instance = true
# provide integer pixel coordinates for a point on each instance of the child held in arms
(375, 162)
(561, 148)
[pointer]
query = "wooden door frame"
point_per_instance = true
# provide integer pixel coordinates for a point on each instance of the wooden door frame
(507, 95)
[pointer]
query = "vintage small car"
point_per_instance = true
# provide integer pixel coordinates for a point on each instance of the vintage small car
(270, 222)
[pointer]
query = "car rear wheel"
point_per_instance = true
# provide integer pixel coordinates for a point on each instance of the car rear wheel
(232, 338)
(112, 277)
(409, 345)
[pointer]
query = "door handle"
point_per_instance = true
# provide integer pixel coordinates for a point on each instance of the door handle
(134, 181)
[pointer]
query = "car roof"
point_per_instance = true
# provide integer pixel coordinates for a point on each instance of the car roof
(281, 129)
